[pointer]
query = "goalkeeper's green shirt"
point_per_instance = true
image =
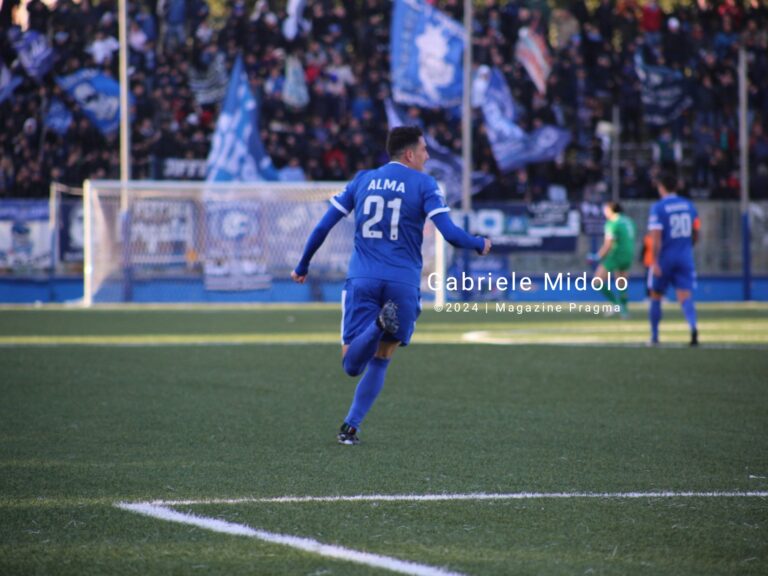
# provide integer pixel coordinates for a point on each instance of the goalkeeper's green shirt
(622, 231)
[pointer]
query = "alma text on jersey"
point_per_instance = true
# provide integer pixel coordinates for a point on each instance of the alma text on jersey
(386, 184)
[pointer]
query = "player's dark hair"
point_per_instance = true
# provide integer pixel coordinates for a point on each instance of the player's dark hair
(401, 138)
(669, 181)
(615, 207)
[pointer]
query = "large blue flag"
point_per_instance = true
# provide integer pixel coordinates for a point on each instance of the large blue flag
(541, 145)
(98, 96)
(512, 147)
(445, 166)
(506, 138)
(426, 56)
(665, 92)
(35, 54)
(8, 83)
(237, 153)
(546, 143)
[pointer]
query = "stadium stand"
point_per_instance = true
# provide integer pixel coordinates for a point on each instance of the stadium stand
(180, 55)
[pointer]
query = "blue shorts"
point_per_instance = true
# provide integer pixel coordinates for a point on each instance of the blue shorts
(361, 302)
(679, 274)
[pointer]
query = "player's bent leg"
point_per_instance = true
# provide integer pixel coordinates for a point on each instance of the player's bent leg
(387, 349)
(359, 352)
(408, 300)
(365, 322)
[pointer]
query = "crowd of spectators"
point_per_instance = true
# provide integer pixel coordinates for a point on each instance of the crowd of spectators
(344, 50)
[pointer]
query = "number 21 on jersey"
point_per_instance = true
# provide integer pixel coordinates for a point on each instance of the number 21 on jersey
(374, 207)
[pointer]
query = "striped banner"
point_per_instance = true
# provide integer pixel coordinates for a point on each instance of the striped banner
(532, 52)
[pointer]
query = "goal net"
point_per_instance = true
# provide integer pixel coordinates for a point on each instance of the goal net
(215, 242)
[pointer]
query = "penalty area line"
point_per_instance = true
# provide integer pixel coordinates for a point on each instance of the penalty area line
(297, 542)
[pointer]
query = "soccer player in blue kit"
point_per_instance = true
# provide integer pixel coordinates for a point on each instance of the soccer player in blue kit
(381, 298)
(674, 227)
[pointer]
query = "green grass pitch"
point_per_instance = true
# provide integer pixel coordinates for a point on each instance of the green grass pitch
(135, 405)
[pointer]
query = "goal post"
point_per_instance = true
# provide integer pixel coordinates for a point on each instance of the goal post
(216, 242)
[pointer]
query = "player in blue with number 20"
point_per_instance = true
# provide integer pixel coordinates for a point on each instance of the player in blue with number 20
(674, 227)
(381, 297)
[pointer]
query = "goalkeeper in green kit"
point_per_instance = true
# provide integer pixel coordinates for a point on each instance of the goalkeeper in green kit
(617, 253)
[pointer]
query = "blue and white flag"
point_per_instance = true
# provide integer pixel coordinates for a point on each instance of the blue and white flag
(98, 96)
(504, 136)
(489, 83)
(295, 92)
(546, 143)
(295, 23)
(35, 54)
(237, 153)
(512, 147)
(665, 92)
(209, 85)
(8, 83)
(426, 56)
(59, 118)
(443, 165)
(541, 145)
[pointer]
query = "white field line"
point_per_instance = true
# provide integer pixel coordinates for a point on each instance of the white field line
(305, 544)
(452, 497)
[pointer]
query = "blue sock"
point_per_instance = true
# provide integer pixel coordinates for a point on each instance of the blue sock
(689, 309)
(367, 391)
(654, 315)
(361, 350)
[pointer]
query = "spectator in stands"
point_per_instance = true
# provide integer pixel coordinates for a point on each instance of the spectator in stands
(39, 16)
(651, 21)
(675, 45)
(103, 48)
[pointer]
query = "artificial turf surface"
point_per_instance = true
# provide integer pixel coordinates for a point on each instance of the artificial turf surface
(116, 405)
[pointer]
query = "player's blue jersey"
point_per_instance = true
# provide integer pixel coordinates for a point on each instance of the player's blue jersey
(391, 204)
(677, 218)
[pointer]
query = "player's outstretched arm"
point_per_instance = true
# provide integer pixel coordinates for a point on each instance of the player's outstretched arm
(315, 240)
(457, 237)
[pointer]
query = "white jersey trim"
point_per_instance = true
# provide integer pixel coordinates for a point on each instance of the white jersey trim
(438, 211)
(339, 207)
